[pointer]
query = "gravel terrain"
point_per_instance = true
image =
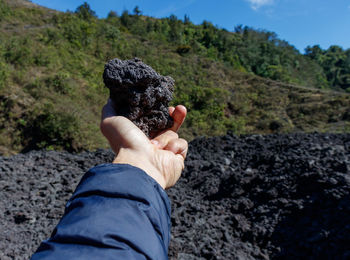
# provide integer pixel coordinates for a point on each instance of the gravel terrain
(248, 197)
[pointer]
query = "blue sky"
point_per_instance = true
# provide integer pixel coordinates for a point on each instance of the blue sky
(300, 22)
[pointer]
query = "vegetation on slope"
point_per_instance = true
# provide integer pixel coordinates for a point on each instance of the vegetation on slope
(335, 63)
(51, 65)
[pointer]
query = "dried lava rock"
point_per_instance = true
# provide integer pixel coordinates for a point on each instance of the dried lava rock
(140, 93)
(249, 197)
(263, 197)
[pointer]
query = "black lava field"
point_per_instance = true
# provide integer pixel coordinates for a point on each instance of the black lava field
(248, 197)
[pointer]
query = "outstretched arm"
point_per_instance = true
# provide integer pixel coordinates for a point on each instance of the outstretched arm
(120, 210)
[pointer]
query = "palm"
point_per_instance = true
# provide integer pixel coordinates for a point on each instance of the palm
(161, 157)
(170, 164)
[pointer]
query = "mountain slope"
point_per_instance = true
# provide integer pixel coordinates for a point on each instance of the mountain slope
(51, 89)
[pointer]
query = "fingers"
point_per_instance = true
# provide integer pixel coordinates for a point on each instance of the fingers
(170, 141)
(178, 114)
(164, 138)
(178, 147)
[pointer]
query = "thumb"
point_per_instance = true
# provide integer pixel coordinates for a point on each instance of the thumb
(121, 132)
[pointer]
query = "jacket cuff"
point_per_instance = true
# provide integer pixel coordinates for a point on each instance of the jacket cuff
(126, 181)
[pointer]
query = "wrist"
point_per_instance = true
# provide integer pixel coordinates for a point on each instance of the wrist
(140, 160)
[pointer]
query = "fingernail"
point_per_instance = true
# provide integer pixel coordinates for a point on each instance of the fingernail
(155, 142)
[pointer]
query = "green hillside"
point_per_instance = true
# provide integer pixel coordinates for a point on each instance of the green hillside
(247, 81)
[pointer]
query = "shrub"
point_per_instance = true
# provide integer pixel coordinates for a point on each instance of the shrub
(4, 10)
(183, 49)
(3, 74)
(59, 83)
(111, 32)
(79, 32)
(276, 72)
(235, 124)
(52, 129)
(18, 51)
(206, 109)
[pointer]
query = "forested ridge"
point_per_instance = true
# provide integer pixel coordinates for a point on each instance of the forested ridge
(245, 81)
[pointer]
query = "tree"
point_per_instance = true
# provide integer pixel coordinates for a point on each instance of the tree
(239, 29)
(175, 33)
(112, 14)
(84, 11)
(209, 35)
(137, 11)
(125, 19)
(187, 19)
(315, 52)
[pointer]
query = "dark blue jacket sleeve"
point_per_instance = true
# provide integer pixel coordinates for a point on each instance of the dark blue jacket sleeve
(116, 212)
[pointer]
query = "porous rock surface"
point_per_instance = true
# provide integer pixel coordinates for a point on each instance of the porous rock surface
(140, 93)
(249, 197)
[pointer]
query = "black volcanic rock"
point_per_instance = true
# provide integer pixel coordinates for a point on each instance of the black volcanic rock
(140, 93)
(249, 197)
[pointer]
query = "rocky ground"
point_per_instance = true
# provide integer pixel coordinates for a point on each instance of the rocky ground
(250, 197)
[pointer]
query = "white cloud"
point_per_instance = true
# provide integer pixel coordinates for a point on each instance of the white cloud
(256, 4)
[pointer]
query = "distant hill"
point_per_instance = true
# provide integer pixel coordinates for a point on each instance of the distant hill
(247, 81)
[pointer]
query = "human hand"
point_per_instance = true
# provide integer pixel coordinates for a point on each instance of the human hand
(162, 157)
